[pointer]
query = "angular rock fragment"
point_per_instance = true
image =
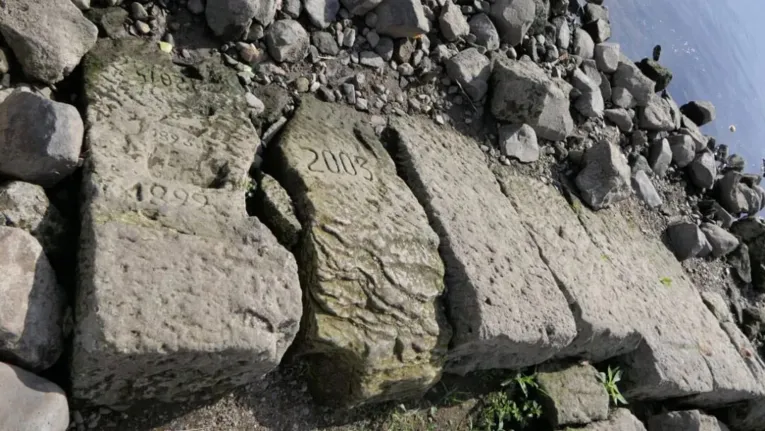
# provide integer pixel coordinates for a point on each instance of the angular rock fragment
(522, 93)
(607, 56)
(29, 402)
(32, 309)
(628, 76)
(573, 396)
(519, 141)
(645, 190)
(729, 193)
(683, 150)
(48, 38)
(360, 7)
(507, 311)
(325, 43)
(275, 207)
(452, 22)
(541, 15)
(594, 12)
(370, 263)
(620, 117)
(700, 112)
(600, 30)
(622, 98)
(513, 19)
(656, 72)
(620, 419)
(180, 291)
(688, 241)
(471, 70)
(722, 241)
(484, 31)
(657, 115)
(40, 139)
(401, 18)
(584, 46)
(590, 103)
(231, 19)
(287, 41)
(605, 178)
(703, 170)
(322, 13)
(25, 206)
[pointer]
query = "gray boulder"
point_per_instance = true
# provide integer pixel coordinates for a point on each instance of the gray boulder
(513, 19)
(471, 70)
(729, 193)
(688, 420)
(736, 162)
(703, 170)
(607, 56)
(584, 46)
(630, 77)
(541, 15)
(484, 31)
(605, 87)
(32, 310)
(325, 43)
(700, 112)
(287, 41)
(645, 190)
(599, 30)
(360, 7)
(660, 157)
(29, 402)
(689, 128)
(639, 163)
(594, 12)
(622, 98)
(573, 396)
(558, 7)
(522, 93)
(40, 139)
(231, 19)
(661, 75)
(291, 8)
(657, 115)
(401, 18)
(620, 117)
(722, 241)
(25, 206)
(605, 178)
(590, 103)
(563, 33)
(683, 150)
(321, 13)
(752, 197)
(620, 419)
(48, 38)
(687, 241)
(519, 141)
(452, 22)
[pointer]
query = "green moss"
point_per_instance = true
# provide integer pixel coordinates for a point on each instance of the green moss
(666, 281)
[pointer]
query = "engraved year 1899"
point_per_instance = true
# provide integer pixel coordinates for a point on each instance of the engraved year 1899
(339, 163)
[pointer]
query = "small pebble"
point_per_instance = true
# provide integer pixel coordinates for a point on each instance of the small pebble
(141, 27)
(256, 104)
(302, 84)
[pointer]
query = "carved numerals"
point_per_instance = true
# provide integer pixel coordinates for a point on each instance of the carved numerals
(176, 196)
(339, 163)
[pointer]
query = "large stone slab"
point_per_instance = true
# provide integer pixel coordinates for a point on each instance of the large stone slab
(503, 302)
(180, 291)
(631, 299)
(369, 261)
(687, 420)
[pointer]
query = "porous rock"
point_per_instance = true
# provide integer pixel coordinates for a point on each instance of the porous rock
(47, 38)
(687, 240)
(524, 94)
(605, 178)
(180, 292)
(700, 112)
(40, 139)
(287, 41)
(231, 19)
(471, 70)
(29, 402)
(513, 19)
(645, 189)
(573, 395)
(401, 18)
(722, 241)
(519, 141)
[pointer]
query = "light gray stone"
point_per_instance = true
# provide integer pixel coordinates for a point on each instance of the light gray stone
(590, 104)
(362, 222)
(484, 31)
(582, 82)
(40, 139)
(657, 115)
(660, 157)
(25, 206)
(519, 141)
(590, 68)
(507, 311)
(573, 396)
(292, 8)
(231, 19)
(47, 38)
(607, 56)
(401, 18)
(729, 193)
(722, 241)
(287, 41)
(628, 76)
(32, 309)
(452, 22)
(277, 212)
(605, 87)
(325, 43)
(584, 46)
(82, 4)
(524, 94)
(321, 13)
(693, 131)
(513, 19)
(29, 402)
(700, 112)
(683, 150)
(703, 170)
(180, 292)
(563, 33)
(620, 419)
(362, 7)
(687, 240)
(594, 12)
(371, 59)
(599, 30)
(605, 179)
(620, 117)
(622, 98)
(688, 420)
(645, 190)
(472, 71)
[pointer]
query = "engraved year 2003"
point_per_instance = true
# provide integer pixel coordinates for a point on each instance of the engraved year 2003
(176, 196)
(339, 163)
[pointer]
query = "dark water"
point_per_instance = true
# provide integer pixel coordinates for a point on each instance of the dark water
(712, 48)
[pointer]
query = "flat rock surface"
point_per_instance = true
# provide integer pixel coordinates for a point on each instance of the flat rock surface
(505, 306)
(29, 402)
(368, 259)
(180, 291)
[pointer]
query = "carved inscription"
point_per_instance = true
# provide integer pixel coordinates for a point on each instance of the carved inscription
(159, 194)
(339, 163)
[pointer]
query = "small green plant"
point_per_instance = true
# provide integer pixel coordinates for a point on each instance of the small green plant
(666, 281)
(503, 413)
(576, 206)
(609, 380)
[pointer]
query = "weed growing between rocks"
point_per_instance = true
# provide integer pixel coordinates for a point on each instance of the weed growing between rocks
(610, 379)
(516, 407)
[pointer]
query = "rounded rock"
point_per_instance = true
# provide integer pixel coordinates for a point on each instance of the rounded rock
(287, 41)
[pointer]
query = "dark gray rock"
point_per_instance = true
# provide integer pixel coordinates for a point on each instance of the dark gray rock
(605, 178)
(471, 70)
(722, 241)
(513, 19)
(452, 22)
(659, 74)
(40, 139)
(584, 46)
(385, 48)
(600, 30)
(361, 7)
(703, 170)
(541, 14)
(752, 197)
(741, 262)
(292, 8)
(689, 420)
(321, 13)
(607, 56)
(325, 43)
(277, 211)
(519, 141)
(645, 190)
(687, 240)
(558, 7)
(401, 18)
(729, 193)
(736, 162)
(605, 87)
(639, 163)
(29, 402)
(657, 115)
(484, 31)
(622, 98)
(630, 77)
(573, 396)
(287, 41)
(700, 112)
(660, 157)
(620, 117)
(683, 150)
(231, 19)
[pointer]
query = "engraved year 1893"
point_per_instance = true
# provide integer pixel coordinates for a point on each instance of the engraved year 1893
(339, 163)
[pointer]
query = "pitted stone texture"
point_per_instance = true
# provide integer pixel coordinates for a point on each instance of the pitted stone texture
(620, 420)
(671, 344)
(25, 206)
(277, 212)
(29, 402)
(573, 396)
(688, 420)
(369, 262)
(180, 292)
(505, 306)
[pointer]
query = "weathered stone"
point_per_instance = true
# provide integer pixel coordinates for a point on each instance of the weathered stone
(325, 43)
(594, 12)
(628, 76)
(590, 68)
(507, 311)
(471, 70)
(179, 290)
(361, 7)
(752, 197)
(29, 402)
(519, 141)
(292, 8)
(401, 18)
(620, 117)
(231, 19)
(522, 93)
(513, 19)
(640, 163)
(729, 193)
(605, 178)
(590, 103)
(484, 31)
(112, 22)
(703, 170)
(277, 212)
(657, 115)
(722, 241)
(600, 30)
(700, 112)
(541, 15)
(689, 128)
(741, 263)
(687, 240)
(321, 13)
(287, 41)
(32, 309)
(563, 40)
(584, 46)
(573, 396)
(558, 7)
(48, 38)
(622, 98)
(452, 22)
(656, 72)
(370, 261)
(620, 419)
(605, 87)
(607, 56)
(736, 162)
(683, 150)
(371, 59)
(645, 190)
(40, 139)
